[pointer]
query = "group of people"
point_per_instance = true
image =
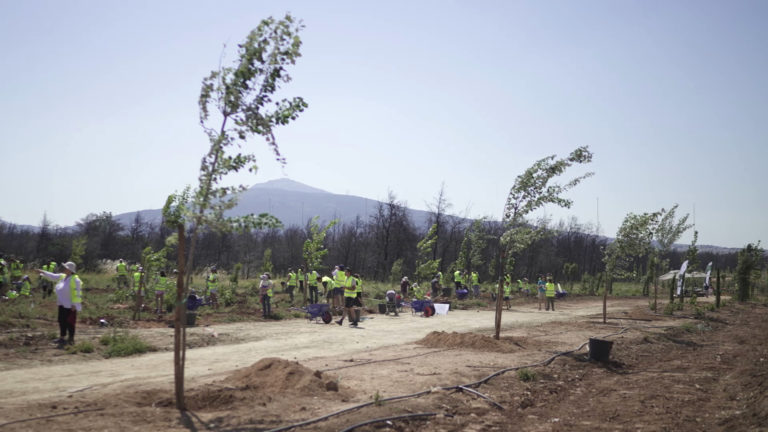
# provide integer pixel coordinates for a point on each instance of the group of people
(343, 291)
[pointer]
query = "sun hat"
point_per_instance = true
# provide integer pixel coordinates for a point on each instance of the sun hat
(263, 277)
(69, 265)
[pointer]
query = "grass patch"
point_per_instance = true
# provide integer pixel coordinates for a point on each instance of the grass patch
(81, 347)
(124, 345)
(526, 375)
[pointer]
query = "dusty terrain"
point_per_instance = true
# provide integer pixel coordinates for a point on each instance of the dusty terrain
(665, 373)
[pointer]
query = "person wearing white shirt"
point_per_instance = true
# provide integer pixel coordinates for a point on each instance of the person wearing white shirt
(69, 299)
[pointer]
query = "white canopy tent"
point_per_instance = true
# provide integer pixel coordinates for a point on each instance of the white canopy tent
(673, 273)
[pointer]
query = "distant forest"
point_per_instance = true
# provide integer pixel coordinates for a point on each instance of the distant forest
(383, 247)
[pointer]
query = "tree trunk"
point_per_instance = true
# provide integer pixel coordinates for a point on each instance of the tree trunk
(608, 282)
(499, 297)
(179, 329)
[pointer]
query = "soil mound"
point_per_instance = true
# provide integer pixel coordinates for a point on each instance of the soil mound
(274, 375)
(268, 380)
(472, 341)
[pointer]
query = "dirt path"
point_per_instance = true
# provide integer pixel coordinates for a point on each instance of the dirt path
(250, 342)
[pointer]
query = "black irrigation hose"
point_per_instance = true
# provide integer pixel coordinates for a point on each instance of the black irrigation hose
(421, 393)
(50, 416)
(379, 420)
(346, 410)
(379, 361)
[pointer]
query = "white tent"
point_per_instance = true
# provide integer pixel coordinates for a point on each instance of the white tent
(673, 273)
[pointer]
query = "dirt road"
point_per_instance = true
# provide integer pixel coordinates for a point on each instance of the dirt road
(242, 344)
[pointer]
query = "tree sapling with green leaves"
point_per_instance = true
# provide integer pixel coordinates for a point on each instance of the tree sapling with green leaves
(236, 103)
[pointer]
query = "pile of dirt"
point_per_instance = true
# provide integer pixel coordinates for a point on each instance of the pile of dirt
(472, 341)
(262, 383)
(275, 375)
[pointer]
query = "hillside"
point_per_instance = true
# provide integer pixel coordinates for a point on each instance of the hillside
(293, 203)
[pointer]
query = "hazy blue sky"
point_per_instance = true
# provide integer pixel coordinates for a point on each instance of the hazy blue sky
(98, 105)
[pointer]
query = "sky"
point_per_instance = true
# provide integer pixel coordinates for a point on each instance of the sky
(98, 105)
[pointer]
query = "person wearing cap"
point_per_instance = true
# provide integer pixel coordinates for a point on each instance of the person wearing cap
(69, 297)
(404, 285)
(212, 285)
(265, 289)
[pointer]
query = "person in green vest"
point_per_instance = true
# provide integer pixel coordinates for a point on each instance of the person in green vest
(139, 286)
(290, 283)
(416, 292)
(122, 274)
(312, 279)
(328, 286)
(265, 289)
(212, 286)
(550, 292)
(17, 268)
(457, 280)
(339, 285)
(359, 293)
(46, 286)
(507, 294)
(69, 289)
(475, 284)
(160, 286)
(25, 286)
(351, 302)
(302, 285)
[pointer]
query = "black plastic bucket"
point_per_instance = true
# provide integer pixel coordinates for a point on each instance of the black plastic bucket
(599, 349)
(191, 318)
(382, 308)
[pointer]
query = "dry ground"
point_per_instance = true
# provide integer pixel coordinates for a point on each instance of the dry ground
(665, 373)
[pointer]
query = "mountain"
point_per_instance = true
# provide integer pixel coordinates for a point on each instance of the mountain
(293, 203)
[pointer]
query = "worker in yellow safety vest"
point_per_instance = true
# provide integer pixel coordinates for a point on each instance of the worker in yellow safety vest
(339, 285)
(122, 274)
(290, 284)
(550, 287)
(351, 302)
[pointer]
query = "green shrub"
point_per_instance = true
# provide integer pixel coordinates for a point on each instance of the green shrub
(689, 327)
(526, 375)
(124, 345)
(652, 306)
(692, 301)
(81, 347)
(670, 308)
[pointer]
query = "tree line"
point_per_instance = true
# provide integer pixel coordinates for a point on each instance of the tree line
(384, 247)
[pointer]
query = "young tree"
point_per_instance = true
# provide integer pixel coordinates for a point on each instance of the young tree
(236, 103)
(628, 251)
(266, 262)
(532, 190)
(313, 249)
(426, 268)
(750, 264)
(472, 247)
